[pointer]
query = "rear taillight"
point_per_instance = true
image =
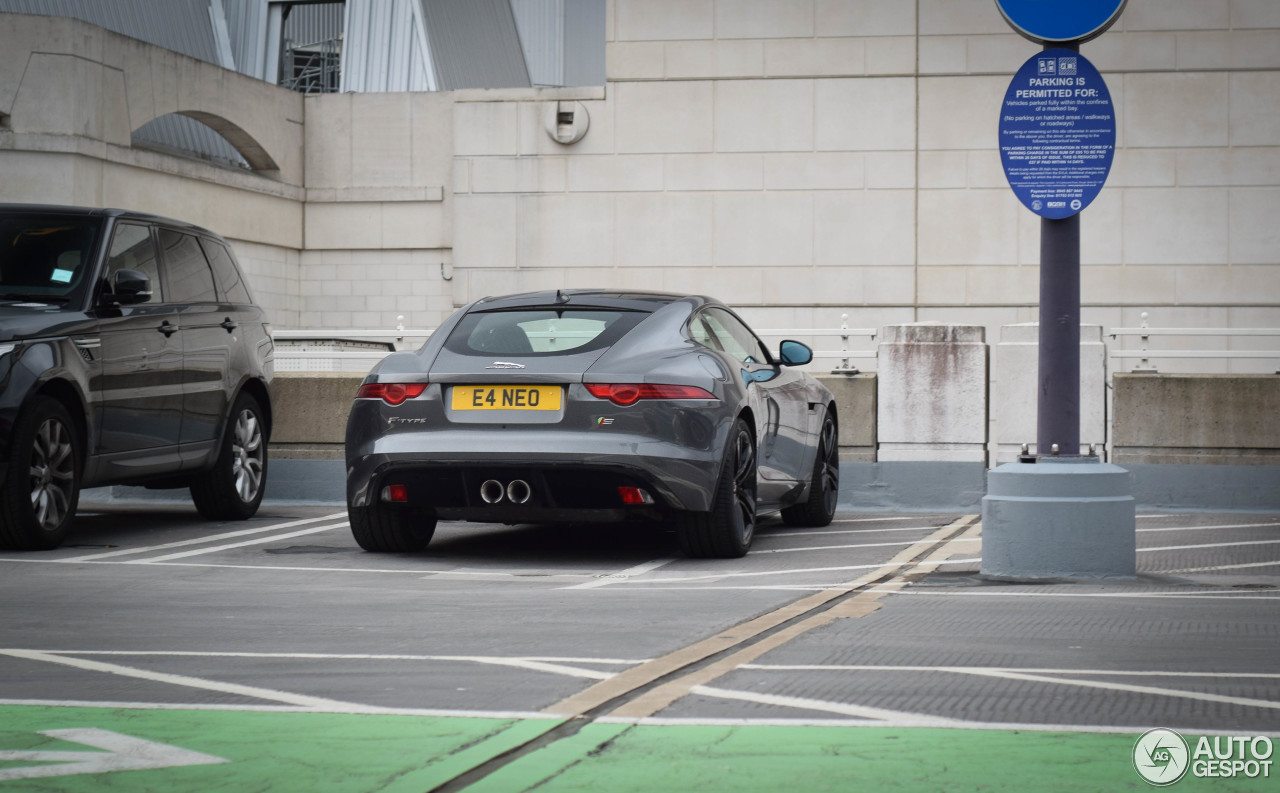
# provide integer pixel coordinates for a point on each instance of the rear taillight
(395, 493)
(630, 393)
(634, 495)
(391, 393)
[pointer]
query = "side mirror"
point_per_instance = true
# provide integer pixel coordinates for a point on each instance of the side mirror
(793, 353)
(128, 287)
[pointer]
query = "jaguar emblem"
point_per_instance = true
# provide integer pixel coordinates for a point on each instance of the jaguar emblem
(505, 365)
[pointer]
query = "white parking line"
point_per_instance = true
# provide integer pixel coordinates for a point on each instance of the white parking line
(624, 575)
(1021, 670)
(217, 548)
(879, 715)
(550, 659)
(1026, 675)
(846, 547)
(346, 708)
(877, 520)
(1222, 594)
(1209, 545)
(549, 665)
(199, 540)
(1272, 524)
(1221, 567)
(789, 533)
(1198, 696)
(179, 680)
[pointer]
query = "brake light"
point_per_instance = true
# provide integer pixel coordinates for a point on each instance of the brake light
(630, 393)
(634, 495)
(391, 393)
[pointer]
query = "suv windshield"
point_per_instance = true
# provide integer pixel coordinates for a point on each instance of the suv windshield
(45, 258)
(540, 331)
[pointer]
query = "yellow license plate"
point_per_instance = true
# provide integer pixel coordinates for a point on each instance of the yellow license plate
(506, 397)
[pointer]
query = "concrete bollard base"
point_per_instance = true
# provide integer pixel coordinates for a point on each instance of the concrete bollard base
(1058, 518)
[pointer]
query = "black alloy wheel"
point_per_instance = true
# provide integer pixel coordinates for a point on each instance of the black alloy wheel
(233, 489)
(38, 500)
(819, 507)
(727, 530)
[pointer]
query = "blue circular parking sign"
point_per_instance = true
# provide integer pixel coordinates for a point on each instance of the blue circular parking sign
(1057, 133)
(1060, 21)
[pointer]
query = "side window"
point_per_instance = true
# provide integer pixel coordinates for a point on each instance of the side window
(700, 333)
(132, 249)
(230, 285)
(735, 337)
(190, 279)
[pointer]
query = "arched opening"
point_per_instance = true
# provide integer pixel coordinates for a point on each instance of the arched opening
(204, 136)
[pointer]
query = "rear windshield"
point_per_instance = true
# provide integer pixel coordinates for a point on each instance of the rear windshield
(541, 331)
(45, 258)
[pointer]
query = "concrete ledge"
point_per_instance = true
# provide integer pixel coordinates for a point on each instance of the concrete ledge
(913, 486)
(311, 413)
(856, 407)
(1254, 488)
(1197, 419)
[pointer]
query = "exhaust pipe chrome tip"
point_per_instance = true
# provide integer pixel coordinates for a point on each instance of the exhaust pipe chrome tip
(519, 491)
(491, 491)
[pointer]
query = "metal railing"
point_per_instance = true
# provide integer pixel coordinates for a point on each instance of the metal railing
(1145, 354)
(843, 333)
(358, 349)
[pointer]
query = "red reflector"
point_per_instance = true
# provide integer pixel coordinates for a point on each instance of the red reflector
(398, 493)
(634, 495)
(630, 393)
(391, 393)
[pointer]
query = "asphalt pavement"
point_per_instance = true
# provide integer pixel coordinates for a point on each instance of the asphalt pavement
(156, 651)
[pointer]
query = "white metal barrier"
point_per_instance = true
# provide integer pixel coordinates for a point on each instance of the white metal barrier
(1144, 355)
(359, 349)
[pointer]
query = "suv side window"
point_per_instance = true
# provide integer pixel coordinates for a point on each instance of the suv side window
(133, 249)
(735, 337)
(230, 285)
(190, 279)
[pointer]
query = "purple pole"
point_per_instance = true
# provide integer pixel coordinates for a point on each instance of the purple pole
(1058, 406)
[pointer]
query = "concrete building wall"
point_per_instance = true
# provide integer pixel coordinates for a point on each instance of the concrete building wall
(805, 156)
(802, 159)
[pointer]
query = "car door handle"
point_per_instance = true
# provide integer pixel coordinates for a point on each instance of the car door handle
(167, 328)
(229, 324)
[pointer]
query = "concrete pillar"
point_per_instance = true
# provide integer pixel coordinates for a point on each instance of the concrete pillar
(1014, 383)
(855, 397)
(932, 393)
(1061, 517)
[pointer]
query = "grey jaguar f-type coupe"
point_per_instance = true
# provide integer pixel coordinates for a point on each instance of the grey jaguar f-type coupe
(592, 406)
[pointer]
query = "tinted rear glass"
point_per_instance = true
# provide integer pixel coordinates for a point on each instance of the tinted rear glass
(46, 257)
(540, 331)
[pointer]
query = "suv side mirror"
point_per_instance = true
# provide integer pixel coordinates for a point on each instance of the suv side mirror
(128, 287)
(793, 353)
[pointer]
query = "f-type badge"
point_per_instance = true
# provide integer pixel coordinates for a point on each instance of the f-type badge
(505, 365)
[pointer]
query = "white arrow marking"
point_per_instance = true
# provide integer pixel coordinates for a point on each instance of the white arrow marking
(123, 754)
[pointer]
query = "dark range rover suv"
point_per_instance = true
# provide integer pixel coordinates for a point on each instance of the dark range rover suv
(130, 353)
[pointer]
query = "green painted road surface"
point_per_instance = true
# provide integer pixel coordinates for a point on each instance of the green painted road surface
(328, 753)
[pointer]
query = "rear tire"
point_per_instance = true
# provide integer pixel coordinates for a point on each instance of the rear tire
(727, 530)
(233, 489)
(824, 486)
(391, 529)
(38, 499)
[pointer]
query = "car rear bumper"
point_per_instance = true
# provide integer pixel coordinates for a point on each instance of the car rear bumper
(569, 478)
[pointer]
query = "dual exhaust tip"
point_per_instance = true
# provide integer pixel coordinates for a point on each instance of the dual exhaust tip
(517, 491)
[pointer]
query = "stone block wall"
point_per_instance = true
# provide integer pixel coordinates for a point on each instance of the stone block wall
(1197, 419)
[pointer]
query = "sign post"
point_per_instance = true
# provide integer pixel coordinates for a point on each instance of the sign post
(1057, 142)
(1058, 514)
